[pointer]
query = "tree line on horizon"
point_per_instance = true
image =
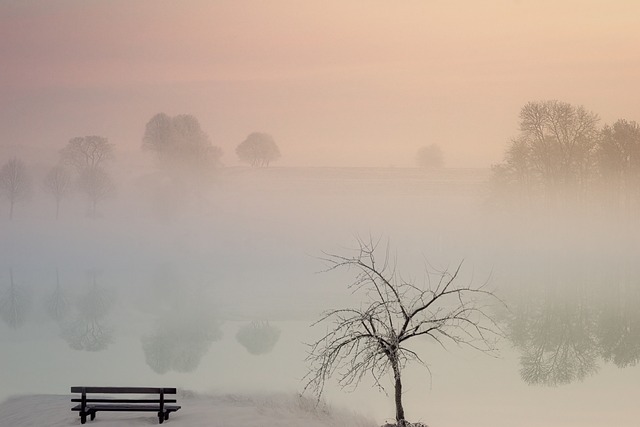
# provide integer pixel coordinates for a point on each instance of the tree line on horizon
(562, 156)
(182, 149)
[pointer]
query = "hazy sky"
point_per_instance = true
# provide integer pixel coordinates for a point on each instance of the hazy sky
(345, 83)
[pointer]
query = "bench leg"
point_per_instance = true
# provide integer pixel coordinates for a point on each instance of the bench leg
(166, 415)
(83, 418)
(93, 415)
(160, 417)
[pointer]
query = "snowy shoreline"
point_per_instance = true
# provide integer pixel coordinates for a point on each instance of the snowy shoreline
(214, 410)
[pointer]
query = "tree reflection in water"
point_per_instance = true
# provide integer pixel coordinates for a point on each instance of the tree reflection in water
(180, 339)
(258, 337)
(565, 330)
(15, 301)
(89, 329)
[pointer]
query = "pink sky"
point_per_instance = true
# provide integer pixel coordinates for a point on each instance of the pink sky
(344, 83)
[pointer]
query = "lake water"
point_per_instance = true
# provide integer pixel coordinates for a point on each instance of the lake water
(149, 295)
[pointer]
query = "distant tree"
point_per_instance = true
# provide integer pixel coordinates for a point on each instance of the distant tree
(58, 184)
(259, 150)
(372, 339)
(87, 152)
(430, 157)
(15, 184)
(96, 185)
(554, 151)
(560, 138)
(180, 143)
(618, 158)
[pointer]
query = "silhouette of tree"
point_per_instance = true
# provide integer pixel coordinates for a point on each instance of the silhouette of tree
(15, 184)
(96, 185)
(259, 150)
(87, 152)
(58, 184)
(373, 338)
(181, 144)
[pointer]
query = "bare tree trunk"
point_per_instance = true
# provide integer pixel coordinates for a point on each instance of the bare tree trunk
(400, 421)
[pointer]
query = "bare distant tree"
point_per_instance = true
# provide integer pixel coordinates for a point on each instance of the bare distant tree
(58, 184)
(96, 185)
(15, 184)
(180, 143)
(373, 338)
(259, 150)
(430, 157)
(87, 152)
(618, 159)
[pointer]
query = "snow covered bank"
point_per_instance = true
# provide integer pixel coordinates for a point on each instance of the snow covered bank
(197, 411)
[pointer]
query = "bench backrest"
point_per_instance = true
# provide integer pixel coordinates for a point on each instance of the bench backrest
(123, 390)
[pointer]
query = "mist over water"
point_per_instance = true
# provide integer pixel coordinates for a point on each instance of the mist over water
(217, 292)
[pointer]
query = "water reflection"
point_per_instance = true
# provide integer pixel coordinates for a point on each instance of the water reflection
(14, 303)
(564, 332)
(258, 337)
(89, 329)
(180, 338)
(57, 303)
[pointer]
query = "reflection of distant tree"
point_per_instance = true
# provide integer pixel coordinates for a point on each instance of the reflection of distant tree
(556, 339)
(89, 330)
(619, 326)
(180, 340)
(14, 304)
(258, 337)
(565, 329)
(57, 303)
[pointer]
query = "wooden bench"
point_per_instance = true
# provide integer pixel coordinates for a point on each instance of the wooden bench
(89, 406)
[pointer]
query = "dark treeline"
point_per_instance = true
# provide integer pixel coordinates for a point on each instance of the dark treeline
(561, 157)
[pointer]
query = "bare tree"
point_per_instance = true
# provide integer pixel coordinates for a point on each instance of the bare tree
(374, 338)
(58, 184)
(259, 150)
(180, 143)
(96, 184)
(15, 184)
(87, 152)
(555, 149)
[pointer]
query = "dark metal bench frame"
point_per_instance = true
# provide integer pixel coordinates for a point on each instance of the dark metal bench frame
(89, 406)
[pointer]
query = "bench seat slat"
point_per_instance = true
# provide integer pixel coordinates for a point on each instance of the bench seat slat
(123, 390)
(125, 400)
(124, 407)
